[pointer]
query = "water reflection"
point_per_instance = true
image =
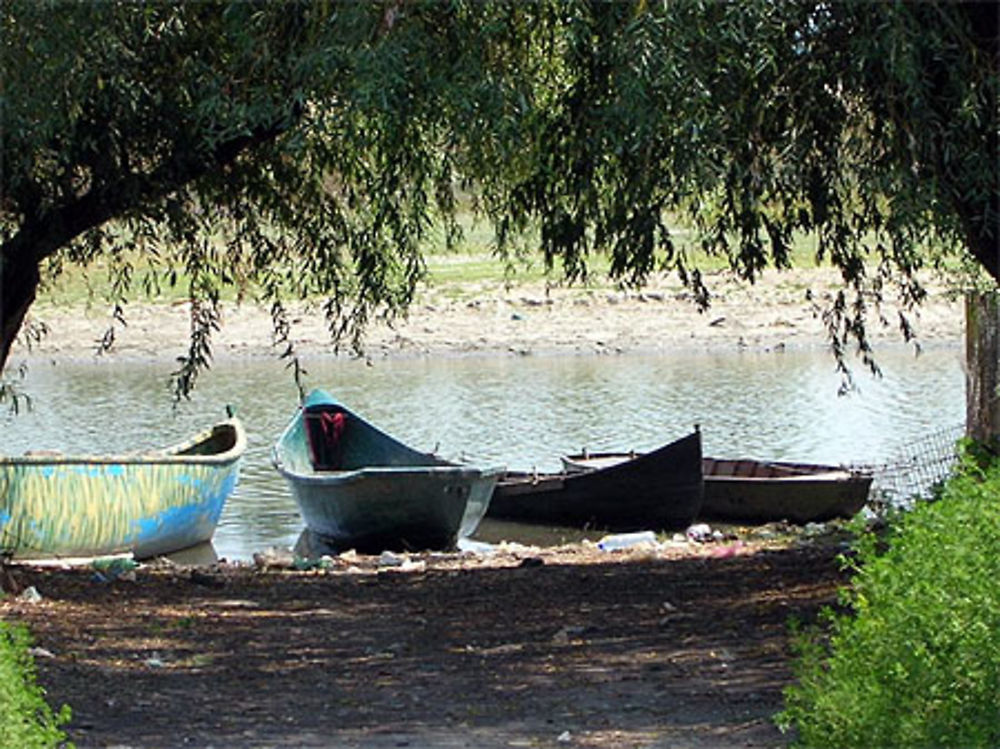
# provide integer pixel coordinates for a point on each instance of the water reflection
(520, 412)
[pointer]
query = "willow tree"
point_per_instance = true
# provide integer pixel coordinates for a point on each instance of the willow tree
(305, 149)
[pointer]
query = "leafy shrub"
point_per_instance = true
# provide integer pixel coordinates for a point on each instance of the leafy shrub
(916, 660)
(26, 720)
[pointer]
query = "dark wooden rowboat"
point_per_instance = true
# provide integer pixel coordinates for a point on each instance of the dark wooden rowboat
(148, 503)
(659, 490)
(759, 491)
(359, 488)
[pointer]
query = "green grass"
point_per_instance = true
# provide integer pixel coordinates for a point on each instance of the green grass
(26, 720)
(450, 272)
(915, 661)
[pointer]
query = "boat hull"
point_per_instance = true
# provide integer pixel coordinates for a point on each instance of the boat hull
(758, 491)
(373, 510)
(659, 490)
(147, 505)
(751, 491)
(370, 492)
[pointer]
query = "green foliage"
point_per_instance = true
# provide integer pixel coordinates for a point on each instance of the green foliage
(916, 661)
(11, 395)
(310, 149)
(26, 720)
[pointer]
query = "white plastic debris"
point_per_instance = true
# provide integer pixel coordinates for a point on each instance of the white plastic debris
(469, 546)
(618, 541)
(700, 532)
(388, 559)
(30, 595)
(410, 565)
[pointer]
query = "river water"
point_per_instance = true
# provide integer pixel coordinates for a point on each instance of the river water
(521, 412)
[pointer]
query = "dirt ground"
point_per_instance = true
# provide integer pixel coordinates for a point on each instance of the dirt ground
(687, 646)
(782, 310)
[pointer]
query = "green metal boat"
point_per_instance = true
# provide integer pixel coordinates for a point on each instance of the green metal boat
(359, 488)
(147, 503)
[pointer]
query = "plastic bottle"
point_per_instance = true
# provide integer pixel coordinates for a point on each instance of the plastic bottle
(627, 540)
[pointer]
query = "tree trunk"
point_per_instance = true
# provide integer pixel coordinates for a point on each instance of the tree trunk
(982, 361)
(18, 284)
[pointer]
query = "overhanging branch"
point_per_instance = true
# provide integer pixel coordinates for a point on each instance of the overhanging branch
(39, 237)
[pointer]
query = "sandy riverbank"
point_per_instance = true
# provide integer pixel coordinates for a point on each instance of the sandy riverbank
(772, 314)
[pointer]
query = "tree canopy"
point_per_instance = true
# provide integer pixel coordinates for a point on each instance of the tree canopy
(306, 149)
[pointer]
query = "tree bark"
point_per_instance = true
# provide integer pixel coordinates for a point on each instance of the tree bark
(982, 357)
(18, 285)
(37, 239)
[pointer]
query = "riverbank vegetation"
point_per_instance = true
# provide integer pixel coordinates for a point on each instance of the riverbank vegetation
(915, 660)
(470, 259)
(26, 719)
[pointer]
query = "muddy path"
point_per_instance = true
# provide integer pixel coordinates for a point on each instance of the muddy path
(563, 648)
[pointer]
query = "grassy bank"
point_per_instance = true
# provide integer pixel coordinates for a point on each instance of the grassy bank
(26, 719)
(915, 661)
(450, 272)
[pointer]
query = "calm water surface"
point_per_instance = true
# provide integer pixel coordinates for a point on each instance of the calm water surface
(519, 412)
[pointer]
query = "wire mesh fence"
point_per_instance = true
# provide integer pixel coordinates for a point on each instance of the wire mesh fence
(914, 471)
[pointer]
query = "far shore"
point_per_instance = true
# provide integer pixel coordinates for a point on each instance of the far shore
(773, 314)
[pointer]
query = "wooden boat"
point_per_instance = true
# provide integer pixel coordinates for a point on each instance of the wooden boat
(145, 503)
(758, 491)
(659, 490)
(359, 488)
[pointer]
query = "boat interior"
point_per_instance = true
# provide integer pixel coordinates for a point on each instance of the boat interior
(761, 469)
(221, 439)
(339, 440)
(325, 427)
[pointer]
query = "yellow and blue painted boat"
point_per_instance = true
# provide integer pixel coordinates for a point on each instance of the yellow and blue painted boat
(147, 503)
(359, 488)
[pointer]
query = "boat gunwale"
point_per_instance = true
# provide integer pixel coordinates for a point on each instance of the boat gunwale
(825, 477)
(790, 468)
(576, 463)
(278, 450)
(171, 455)
(347, 476)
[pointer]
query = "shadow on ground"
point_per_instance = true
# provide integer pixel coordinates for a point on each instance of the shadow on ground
(632, 652)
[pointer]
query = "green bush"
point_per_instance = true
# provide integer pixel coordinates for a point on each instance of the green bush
(915, 660)
(26, 720)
